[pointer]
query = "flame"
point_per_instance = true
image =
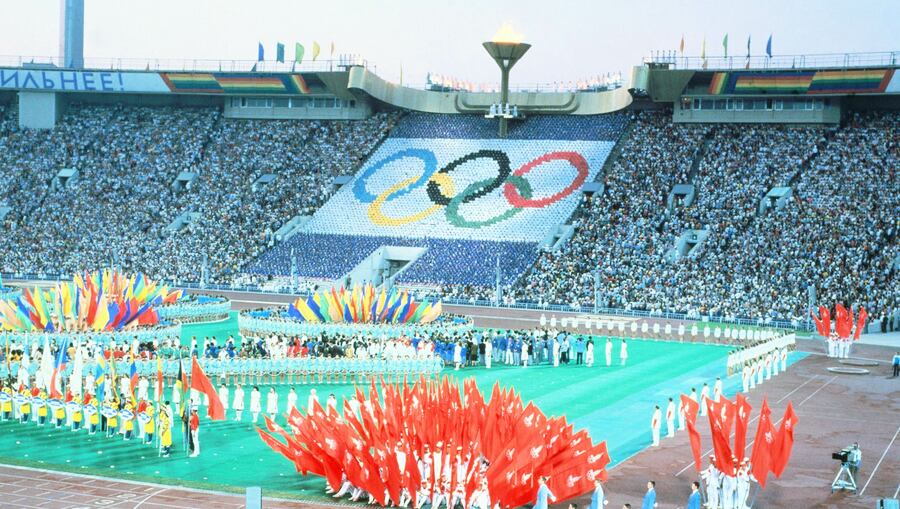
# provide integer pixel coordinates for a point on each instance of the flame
(507, 35)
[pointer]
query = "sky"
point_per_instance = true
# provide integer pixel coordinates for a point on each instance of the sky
(571, 39)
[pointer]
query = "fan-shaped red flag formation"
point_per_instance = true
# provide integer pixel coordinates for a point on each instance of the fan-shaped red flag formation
(427, 437)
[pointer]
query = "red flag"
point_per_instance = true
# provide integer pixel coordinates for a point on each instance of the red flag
(826, 320)
(843, 321)
(275, 444)
(200, 382)
(724, 409)
(820, 325)
(860, 323)
(720, 435)
(740, 426)
(785, 442)
(690, 409)
(760, 459)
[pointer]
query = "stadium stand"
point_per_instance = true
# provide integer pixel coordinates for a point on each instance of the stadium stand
(838, 230)
(117, 209)
(445, 261)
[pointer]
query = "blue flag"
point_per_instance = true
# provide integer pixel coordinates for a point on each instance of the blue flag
(769, 47)
(262, 53)
(279, 53)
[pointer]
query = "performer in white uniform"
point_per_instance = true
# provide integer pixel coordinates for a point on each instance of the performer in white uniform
(255, 403)
(272, 403)
(223, 397)
(704, 399)
(238, 402)
(291, 401)
(710, 477)
(609, 349)
(655, 423)
(310, 402)
(623, 353)
(743, 485)
(729, 486)
(670, 418)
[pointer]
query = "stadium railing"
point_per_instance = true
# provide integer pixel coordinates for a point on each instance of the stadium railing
(39, 62)
(802, 325)
(739, 62)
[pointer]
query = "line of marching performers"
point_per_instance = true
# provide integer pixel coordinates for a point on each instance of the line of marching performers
(451, 488)
(132, 419)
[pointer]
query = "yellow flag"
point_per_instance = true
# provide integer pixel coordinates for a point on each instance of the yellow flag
(101, 318)
(315, 50)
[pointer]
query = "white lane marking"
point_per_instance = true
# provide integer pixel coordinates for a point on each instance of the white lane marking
(872, 475)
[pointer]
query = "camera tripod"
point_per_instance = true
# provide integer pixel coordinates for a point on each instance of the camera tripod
(844, 479)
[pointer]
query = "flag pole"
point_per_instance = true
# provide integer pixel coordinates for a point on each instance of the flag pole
(187, 414)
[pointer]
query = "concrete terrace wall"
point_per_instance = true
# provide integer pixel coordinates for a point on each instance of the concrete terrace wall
(576, 103)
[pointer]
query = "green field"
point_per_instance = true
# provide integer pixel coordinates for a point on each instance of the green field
(613, 403)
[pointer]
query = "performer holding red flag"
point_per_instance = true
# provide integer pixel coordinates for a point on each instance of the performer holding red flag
(200, 382)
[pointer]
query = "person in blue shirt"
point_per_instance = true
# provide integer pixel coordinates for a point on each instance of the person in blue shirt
(650, 496)
(694, 500)
(579, 350)
(544, 495)
(896, 364)
(598, 498)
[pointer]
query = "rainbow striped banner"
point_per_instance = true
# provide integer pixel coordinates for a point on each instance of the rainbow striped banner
(851, 82)
(251, 84)
(204, 83)
(235, 83)
(801, 82)
(717, 85)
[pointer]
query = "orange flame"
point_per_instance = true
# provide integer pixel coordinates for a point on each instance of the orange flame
(507, 35)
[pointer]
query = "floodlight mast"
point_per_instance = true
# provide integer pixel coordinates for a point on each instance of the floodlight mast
(505, 54)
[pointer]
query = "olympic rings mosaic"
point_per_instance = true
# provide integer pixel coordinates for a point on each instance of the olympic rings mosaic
(442, 193)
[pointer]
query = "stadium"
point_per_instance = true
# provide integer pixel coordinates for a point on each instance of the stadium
(297, 280)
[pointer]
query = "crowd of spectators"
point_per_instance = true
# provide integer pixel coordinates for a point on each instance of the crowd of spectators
(838, 231)
(117, 210)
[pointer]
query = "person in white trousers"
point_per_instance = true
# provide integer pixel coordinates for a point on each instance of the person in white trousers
(704, 399)
(655, 423)
(670, 418)
(238, 404)
(255, 403)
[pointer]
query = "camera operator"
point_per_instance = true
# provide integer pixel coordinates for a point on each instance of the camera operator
(854, 459)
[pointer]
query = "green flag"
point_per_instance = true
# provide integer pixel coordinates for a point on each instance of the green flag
(279, 53)
(298, 53)
(725, 45)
